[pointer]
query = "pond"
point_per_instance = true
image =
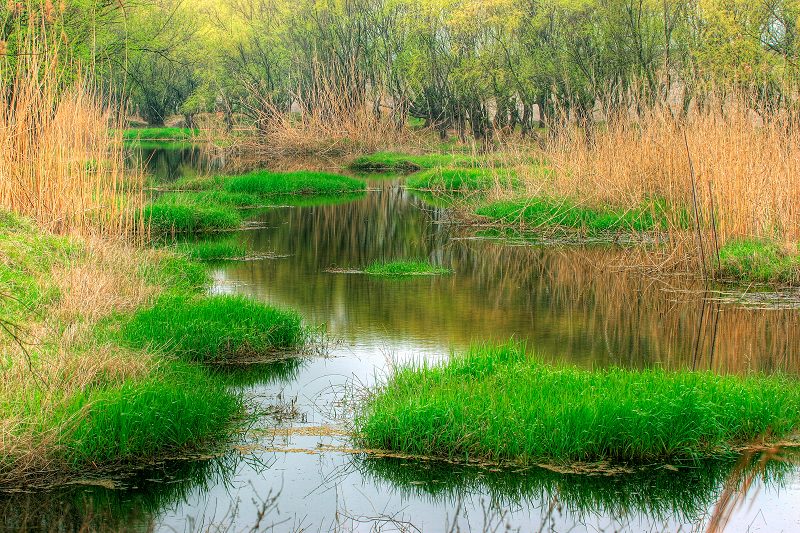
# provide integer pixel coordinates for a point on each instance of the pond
(295, 470)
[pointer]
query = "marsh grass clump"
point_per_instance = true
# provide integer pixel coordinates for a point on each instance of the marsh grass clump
(213, 250)
(463, 179)
(166, 217)
(405, 269)
(211, 197)
(158, 134)
(396, 162)
(760, 261)
(196, 183)
(216, 329)
(564, 212)
(74, 397)
(169, 408)
(498, 404)
(264, 183)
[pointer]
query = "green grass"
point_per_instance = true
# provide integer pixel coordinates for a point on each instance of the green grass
(211, 197)
(568, 214)
(263, 183)
(395, 162)
(462, 179)
(760, 261)
(175, 407)
(90, 402)
(166, 217)
(405, 268)
(158, 134)
(498, 404)
(213, 329)
(212, 250)
(196, 183)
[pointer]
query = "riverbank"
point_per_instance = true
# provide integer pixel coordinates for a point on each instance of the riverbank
(92, 377)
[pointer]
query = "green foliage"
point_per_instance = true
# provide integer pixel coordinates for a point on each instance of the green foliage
(196, 183)
(28, 256)
(395, 162)
(213, 250)
(405, 269)
(158, 134)
(759, 261)
(185, 217)
(175, 407)
(496, 403)
(175, 274)
(213, 329)
(566, 213)
(264, 183)
(463, 179)
(211, 197)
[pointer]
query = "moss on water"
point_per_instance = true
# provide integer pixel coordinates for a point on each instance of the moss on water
(499, 404)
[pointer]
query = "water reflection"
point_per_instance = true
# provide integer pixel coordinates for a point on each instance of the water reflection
(571, 303)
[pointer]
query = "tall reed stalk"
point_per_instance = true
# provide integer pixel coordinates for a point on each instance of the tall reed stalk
(61, 158)
(746, 173)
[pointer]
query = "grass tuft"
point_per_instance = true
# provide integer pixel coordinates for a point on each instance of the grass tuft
(760, 261)
(158, 134)
(213, 329)
(405, 268)
(264, 183)
(174, 407)
(462, 179)
(395, 162)
(495, 403)
(215, 250)
(566, 213)
(165, 217)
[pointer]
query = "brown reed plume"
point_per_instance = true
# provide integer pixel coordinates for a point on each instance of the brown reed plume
(61, 157)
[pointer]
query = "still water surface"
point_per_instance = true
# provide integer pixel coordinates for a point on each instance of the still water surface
(568, 303)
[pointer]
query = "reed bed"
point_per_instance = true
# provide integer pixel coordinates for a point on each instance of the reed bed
(741, 166)
(60, 157)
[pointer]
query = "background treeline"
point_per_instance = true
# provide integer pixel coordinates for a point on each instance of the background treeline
(476, 66)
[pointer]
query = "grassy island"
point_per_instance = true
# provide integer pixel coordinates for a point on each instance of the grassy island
(499, 404)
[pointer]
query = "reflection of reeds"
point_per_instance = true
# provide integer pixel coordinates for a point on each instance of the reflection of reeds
(582, 304)
(59, 161)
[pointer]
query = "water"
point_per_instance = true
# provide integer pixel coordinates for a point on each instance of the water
(568, 303)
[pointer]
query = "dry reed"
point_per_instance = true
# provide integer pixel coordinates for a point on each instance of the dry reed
(746, 165)
(61, 161)
(329, 118)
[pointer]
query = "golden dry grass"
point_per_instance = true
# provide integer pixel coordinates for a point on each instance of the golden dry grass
(60, 161)
(747, 165)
